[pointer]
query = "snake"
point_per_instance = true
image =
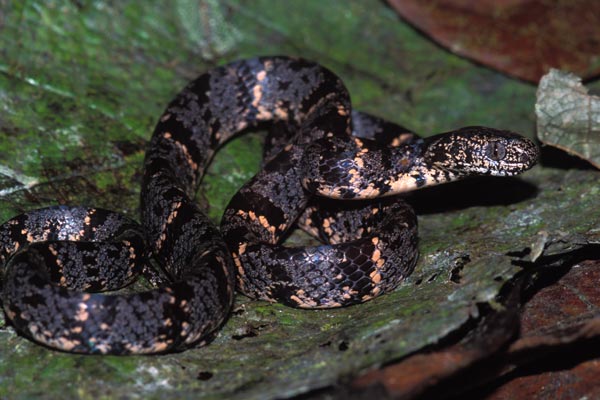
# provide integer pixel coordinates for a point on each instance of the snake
(331, 170)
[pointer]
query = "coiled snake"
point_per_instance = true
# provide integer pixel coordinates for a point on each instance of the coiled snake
(56, 259)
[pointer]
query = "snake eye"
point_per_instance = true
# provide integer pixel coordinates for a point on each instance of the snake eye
(495, 151)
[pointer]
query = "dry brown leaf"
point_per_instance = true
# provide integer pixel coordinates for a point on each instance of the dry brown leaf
(523, 38)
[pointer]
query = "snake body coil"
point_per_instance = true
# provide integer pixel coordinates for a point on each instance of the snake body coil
(55, 257)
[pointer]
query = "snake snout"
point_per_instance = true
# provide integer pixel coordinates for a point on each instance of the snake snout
(525, 156)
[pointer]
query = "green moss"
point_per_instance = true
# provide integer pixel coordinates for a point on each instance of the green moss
(81, 87)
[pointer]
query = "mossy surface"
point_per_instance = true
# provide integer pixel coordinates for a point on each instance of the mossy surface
(81, 87)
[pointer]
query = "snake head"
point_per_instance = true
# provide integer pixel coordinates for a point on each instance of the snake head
(478, 150)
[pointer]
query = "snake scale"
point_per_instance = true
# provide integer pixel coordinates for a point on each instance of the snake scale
(56, 260)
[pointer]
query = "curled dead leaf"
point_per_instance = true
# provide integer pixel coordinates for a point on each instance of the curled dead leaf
(568, 117)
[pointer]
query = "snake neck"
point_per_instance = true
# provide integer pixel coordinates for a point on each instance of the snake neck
(363, 169)
(463, 153)
(477, 150)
